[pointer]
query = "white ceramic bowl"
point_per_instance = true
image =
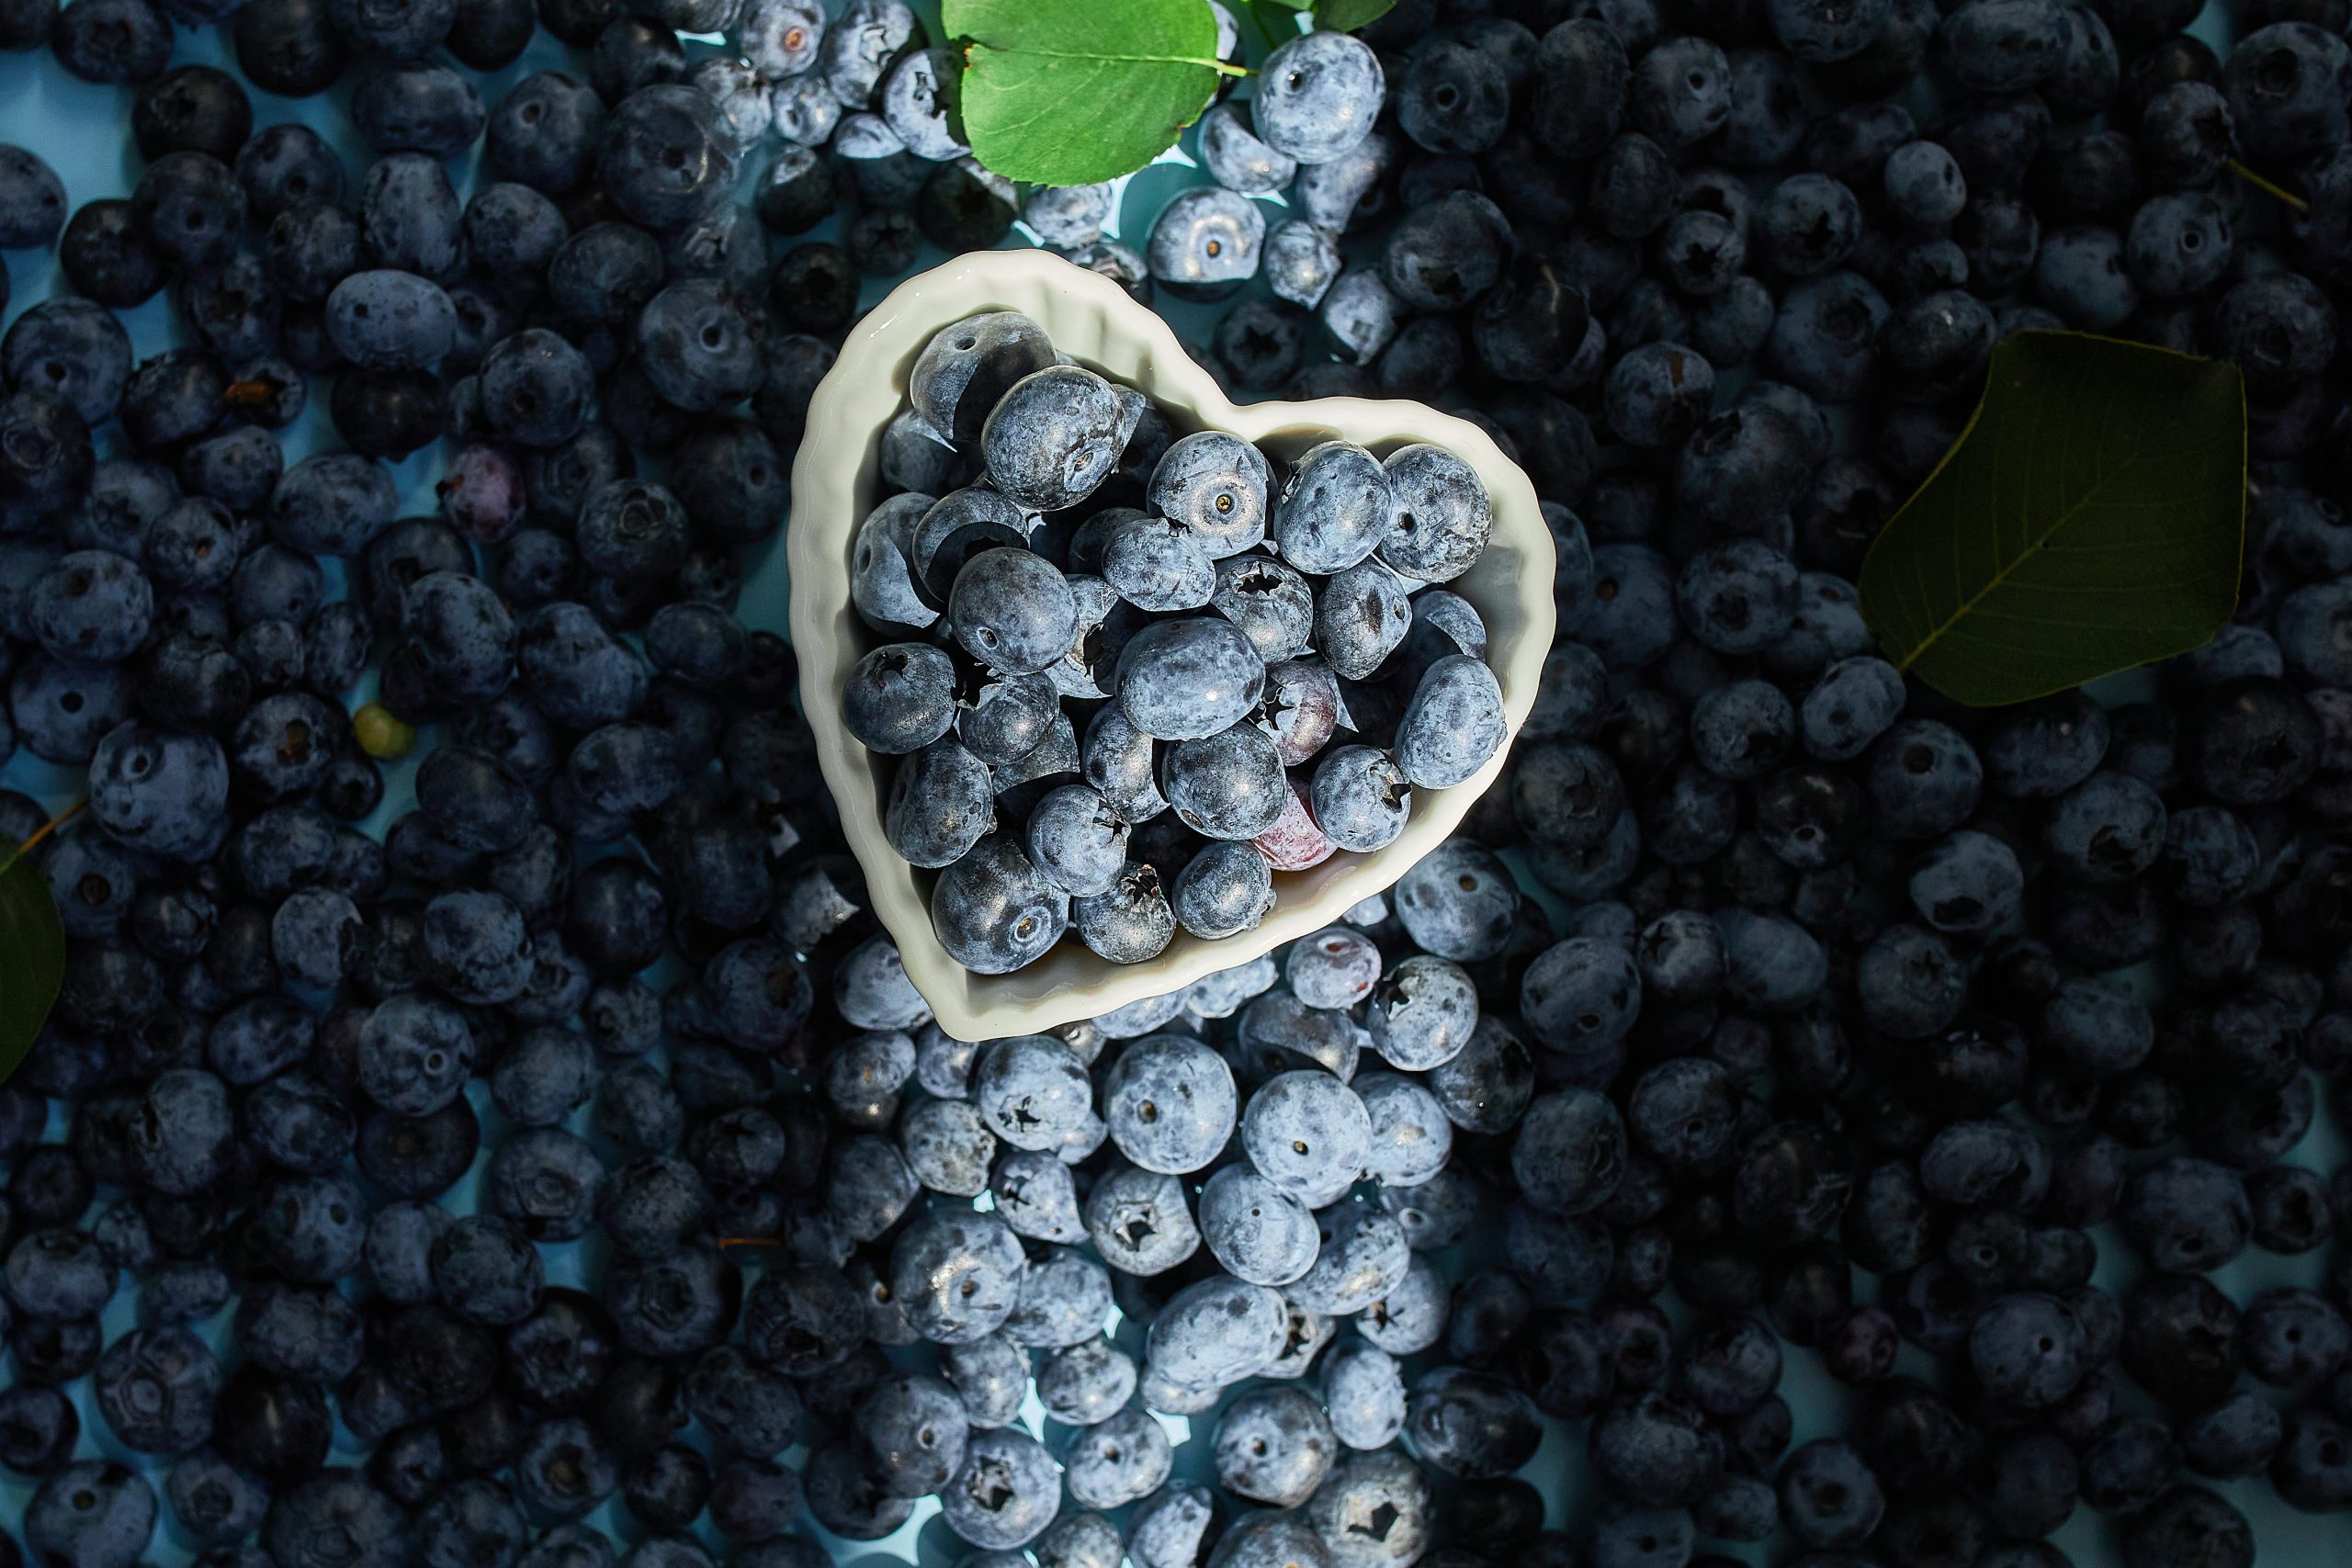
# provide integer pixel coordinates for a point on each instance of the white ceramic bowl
(835, 483)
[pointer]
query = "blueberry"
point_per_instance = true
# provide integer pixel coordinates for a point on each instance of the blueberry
(1076, 842)
(1380, 1485)
(1188, 679)
(1227, 785)
(2026, 1350)
(1118, 1460)
(96, 1511)
(697, 347)
(1120, 263)
(900, 698)
(1923, 778)
(2187, 1214)
(940, 805)
(323, 1509)
(1207, 241)
(1274, 607)
(73, 349)
(1317, 96)
(965, 369)
(159, 792)
(1452, 726)
(1154, 564)
(1070, 218)
(911, 1434)
(784, 38)
(1006, 1492)
(1055, 435)
(1300, 261)
(1008, 718)
(1830, 1498)
(1236, 159)
(1213, 486)
(1013, 611)
(882, 583)
(664, 157)
(1306, 1133)
(1215, 1332)
(2282, 83)
(1225, 889)
(1130, 922)
(918, 98)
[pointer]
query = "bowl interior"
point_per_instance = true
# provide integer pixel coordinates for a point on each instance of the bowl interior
(1510, 586)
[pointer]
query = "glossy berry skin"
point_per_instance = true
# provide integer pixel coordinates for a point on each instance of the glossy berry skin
(1187, 679)
(1053, 436)
(1129, 922)
(1227, 785)
(1321, 96)
(1452, 726)
(1013, 611)
(994, 912)
(1225, 889)
(1206, 242)
(1170, 1105)
(1215, 485)
(1076, 842)
(1444, 517)
(1333, 509)
(966, 368)
(900, 698)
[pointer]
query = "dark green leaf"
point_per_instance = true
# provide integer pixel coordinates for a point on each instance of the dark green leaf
(32, 956)
(1297, 5)
(1072, 92)
(2089, 518)
(1347, 16)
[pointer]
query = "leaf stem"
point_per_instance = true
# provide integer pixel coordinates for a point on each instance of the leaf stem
(1224, 69)
(43, 831)
(2268, 186)
(727, 1241)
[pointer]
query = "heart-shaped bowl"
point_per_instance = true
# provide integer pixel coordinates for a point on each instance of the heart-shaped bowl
(836, 481)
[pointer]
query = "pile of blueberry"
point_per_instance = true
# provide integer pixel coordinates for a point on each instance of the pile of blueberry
(1213, 638)
(562, 1173)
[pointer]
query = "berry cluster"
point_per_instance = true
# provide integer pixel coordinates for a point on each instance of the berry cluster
(566, 1173)
(1221, 634)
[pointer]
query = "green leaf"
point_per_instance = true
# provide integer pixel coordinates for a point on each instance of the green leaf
(1347, 16)
(1298, 5)
(1072, 92)
(2089, 518)
(32, 956)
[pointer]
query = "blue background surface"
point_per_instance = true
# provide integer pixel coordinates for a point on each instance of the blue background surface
(81, 130)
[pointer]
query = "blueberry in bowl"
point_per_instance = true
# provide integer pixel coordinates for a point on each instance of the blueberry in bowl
(1088, 651)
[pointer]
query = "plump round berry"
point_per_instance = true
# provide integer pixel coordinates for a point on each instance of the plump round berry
(1212, 485)
(1076, 842)
(1055, 435)
(1170, 1103)
(1318, 97)
(1187, 679)
(1206, 241)
(1013, 611)
(1225, 889)
(941, 803)
(1334, 508)
(994, 912)
(1129, 922)
(900, 698)
(1452, 726)
(1227, 785)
